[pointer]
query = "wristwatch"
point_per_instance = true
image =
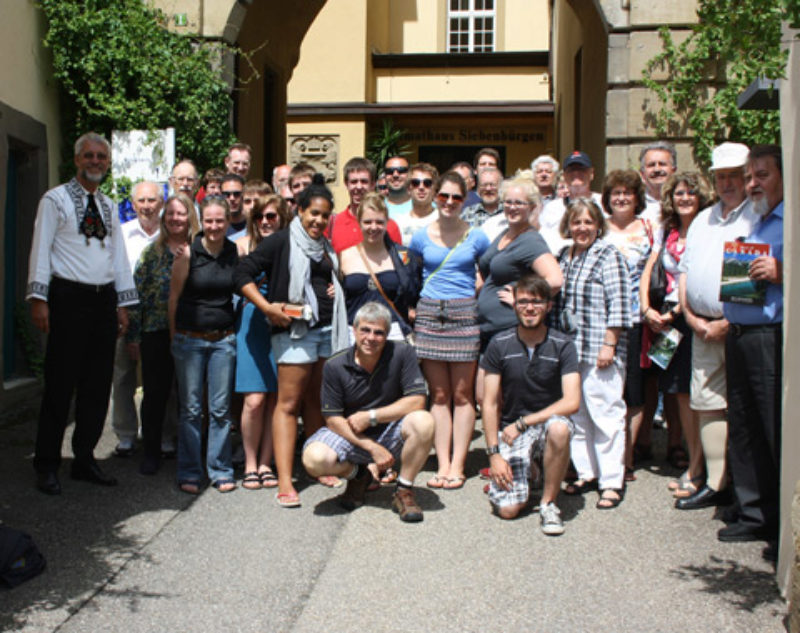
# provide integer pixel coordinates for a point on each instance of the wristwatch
(492, 450)
(373, 417)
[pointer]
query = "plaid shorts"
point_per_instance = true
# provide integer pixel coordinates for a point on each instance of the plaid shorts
(390, 438)
(527, 447)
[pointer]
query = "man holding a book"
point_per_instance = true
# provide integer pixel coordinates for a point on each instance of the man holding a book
(730, 219)
(754, 348)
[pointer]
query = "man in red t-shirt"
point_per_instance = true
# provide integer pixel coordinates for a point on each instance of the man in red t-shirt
(344, 230)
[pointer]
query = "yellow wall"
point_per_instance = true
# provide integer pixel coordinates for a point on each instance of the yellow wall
(403, 85)
(525, 25)
(352, 139)
(333, 56)
(26, 82)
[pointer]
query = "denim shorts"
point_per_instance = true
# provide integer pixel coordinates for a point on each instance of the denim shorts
(314, 345)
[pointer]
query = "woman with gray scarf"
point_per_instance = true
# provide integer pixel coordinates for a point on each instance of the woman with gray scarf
(305, 305)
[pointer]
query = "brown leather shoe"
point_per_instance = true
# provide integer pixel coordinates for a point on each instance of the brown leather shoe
(405, 504)
(353, 495)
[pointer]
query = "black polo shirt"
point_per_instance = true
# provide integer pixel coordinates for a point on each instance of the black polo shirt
(347, 387)
(529, 385)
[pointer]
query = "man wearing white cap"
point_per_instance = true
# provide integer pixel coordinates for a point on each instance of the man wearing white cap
(701, 269)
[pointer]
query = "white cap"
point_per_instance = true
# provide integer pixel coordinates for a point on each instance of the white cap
(729, 156)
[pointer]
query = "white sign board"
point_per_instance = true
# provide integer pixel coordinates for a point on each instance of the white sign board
(143, 154)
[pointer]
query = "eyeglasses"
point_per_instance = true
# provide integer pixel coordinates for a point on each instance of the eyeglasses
(270, 216)
(363, 329)
(511, 204)
(184, 179)
(536, 303)
(391, 171)
(425, 182)
(232, 194)
(446, 197)
(148, 200)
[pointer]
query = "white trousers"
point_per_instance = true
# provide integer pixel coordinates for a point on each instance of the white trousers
(598, 443)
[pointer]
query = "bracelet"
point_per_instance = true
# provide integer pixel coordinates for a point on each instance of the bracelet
(493, 450)
(520, 424)
(614, 345)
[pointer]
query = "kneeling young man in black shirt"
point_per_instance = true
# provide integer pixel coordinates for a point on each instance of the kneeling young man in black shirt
(533, 371)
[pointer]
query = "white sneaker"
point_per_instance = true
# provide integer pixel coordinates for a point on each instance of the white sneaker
(550, 515)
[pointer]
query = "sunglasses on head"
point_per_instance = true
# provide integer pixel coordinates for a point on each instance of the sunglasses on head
(446, 197)
(425, 182)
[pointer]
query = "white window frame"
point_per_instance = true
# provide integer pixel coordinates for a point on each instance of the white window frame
(471, 14)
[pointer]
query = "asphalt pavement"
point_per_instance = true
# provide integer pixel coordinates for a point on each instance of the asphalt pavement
(145, 557)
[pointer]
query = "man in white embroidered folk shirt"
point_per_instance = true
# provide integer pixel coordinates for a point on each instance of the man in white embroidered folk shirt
(79, 284)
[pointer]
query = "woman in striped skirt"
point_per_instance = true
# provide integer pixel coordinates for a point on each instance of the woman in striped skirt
(447, 335)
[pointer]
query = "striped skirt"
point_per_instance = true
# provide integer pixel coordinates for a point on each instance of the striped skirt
(447, 330)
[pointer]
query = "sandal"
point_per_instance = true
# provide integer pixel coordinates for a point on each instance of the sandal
(608, 503)
(437, 481)
(389, 477)
(224, 485)
(674, 484)
(580, 486)
(288, 499)
(251, 481)
(454, 483)
(331, 481)
(267, 479)
(629, 474)
(689, 487)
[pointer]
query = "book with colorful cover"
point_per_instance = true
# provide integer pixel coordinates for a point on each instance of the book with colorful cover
(664, 346)
(735, 284)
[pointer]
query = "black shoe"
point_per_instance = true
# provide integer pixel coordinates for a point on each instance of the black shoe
(90, 471)
(150, 465)
(741, 533)
(48, 483)
(125, 449)
(704, 498)
(353, 496)
(730, 514)
(770, 552)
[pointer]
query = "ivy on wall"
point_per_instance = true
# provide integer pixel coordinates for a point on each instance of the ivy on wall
(733, 43)
(118, 67)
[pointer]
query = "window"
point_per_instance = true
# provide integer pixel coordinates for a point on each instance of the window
(470, 26)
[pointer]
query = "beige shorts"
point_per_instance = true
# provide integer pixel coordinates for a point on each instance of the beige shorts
(709, 389)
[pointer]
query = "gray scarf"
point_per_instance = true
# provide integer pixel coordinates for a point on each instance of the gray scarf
(302, 249)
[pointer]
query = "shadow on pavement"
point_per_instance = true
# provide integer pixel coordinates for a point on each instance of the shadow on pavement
(746, 588)
(87, 534)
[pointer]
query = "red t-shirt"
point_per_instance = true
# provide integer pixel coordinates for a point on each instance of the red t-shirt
(346, 231)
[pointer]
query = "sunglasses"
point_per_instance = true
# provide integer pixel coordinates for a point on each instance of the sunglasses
(383, 187)
(425, 182)
(446, 197)
(270, 217)
(232, 194)
(390, 171)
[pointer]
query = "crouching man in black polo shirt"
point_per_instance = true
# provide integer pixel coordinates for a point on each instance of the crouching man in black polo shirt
(373, 400)
(533, 371)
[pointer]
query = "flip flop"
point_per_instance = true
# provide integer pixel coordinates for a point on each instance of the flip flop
(437, 481)
(288, 499)
(454, 483)
(580, 487)
(189, 487)
(224, 485)
(389, 476)
(330, 481)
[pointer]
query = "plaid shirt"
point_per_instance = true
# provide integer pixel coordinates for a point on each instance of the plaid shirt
(597, 290)
(476, 215)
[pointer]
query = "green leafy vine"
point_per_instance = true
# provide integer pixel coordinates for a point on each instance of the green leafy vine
(733, 43)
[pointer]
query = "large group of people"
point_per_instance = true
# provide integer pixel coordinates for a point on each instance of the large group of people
(564, 316)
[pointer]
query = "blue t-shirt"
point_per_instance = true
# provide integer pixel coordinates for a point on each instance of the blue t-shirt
(456, 279)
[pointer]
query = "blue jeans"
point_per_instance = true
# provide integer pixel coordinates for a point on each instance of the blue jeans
(196, 362)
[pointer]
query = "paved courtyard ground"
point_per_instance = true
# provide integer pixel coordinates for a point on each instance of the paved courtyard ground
(145, 557)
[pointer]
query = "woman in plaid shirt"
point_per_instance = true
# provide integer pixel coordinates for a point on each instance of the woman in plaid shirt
(594, 306)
